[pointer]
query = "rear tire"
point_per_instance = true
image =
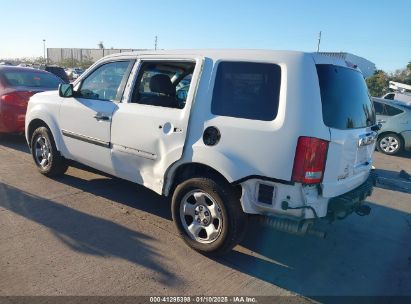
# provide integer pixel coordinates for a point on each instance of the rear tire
(45, 155)
(390, 144)
(208, 216)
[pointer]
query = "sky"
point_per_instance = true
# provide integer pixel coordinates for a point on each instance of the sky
(378, 30)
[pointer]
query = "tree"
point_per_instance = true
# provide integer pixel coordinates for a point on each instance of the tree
(403, 76)
(39, 60)
(86, 62)
(378, 83)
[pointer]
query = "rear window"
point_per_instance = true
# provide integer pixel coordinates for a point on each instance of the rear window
(346, 103)
(33, 79)
(247, 90)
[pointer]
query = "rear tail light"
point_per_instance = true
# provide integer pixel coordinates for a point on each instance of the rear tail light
(309, 161)
(18, 98)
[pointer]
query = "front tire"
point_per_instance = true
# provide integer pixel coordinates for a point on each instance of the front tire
(45, 155)
(208, 215)
(390, 144)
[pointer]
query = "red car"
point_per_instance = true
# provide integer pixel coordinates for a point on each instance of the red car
(17, 85)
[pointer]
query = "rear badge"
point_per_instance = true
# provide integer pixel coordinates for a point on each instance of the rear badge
(367, 139)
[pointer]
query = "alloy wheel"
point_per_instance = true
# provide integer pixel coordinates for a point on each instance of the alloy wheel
(389, 144)
(42, 152)
(201, 216)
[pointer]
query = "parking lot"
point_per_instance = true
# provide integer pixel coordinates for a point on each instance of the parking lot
(88, 234)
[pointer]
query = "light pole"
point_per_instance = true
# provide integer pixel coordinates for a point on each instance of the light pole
(44, 51)
(319, 42)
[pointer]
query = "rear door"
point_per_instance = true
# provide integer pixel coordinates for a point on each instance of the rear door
(349, 113)
(150, 127)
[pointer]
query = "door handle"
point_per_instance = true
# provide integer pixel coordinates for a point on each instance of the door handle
(100, 116)
(168, 128)
(177, 130)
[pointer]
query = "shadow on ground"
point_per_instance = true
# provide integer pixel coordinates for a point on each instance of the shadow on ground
(404, 154)
(15, 142)
(393, 180)
(123, 192)
(86, 233)
(361, 255)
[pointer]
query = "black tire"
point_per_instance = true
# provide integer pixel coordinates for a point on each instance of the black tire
(395, 142)
(233, 219)
(55, 164)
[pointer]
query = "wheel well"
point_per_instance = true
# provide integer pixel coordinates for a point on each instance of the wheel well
(192, 170)
(34, 124)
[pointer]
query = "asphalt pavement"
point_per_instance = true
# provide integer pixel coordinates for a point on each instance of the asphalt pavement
(89, 234)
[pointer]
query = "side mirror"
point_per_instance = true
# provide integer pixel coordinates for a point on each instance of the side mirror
(66, 90)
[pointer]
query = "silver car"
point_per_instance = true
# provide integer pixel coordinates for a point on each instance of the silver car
(395, 119)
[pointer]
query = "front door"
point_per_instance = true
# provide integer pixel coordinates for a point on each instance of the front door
(149, 129)
(85, 119)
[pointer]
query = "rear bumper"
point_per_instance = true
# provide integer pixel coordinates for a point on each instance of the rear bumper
(12, 120)
(341, 206)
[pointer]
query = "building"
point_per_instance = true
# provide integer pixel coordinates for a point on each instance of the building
(57, 55)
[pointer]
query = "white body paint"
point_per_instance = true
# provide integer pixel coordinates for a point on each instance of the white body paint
(146, 144)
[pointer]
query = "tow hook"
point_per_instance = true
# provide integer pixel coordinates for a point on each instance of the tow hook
(363, 210)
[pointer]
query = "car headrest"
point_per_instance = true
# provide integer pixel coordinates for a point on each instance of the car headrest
(161, 83)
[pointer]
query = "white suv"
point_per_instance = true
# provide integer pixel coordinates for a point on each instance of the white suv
(288, 136)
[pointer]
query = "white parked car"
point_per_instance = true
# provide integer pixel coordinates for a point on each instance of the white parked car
(288, 136)
(401, 92)
(398, 96)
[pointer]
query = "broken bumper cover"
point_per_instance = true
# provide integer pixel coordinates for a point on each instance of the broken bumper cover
(341, 206)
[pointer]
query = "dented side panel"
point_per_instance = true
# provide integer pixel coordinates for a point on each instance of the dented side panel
(146, 139)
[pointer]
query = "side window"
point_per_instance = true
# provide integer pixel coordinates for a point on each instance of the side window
(390, 96)
(392, 111)
(163, 84)
(247, 90)
(105, 82)
(379, 108)
(182, 88)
